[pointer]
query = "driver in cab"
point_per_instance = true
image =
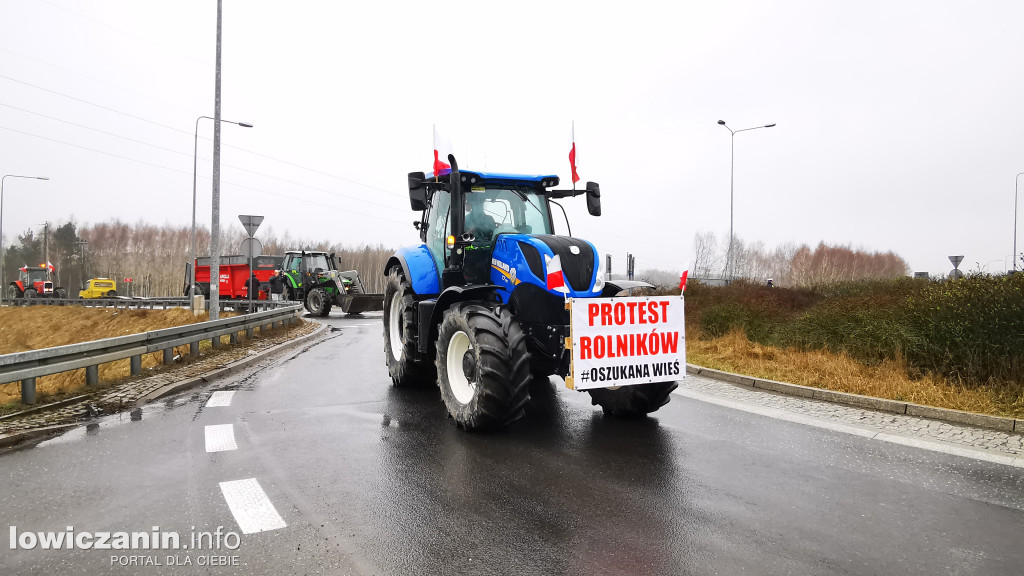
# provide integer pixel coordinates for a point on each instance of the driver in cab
(482, 226)
(478, 222)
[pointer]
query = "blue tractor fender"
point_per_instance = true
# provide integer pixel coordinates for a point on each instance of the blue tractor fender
(418, 267)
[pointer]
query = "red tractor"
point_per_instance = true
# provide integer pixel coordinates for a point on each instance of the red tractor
(35, 282)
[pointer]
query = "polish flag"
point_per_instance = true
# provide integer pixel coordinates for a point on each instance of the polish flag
(442, 148)
(555, 279)
(50, 267)
(572, 156)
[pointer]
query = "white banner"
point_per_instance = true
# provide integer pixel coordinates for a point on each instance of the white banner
(622, 341)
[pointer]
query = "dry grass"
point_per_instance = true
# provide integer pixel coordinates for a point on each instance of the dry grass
(35, 327)
(822, 369)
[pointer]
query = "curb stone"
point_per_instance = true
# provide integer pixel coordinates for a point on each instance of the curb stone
(19, 437)
(13, 440)
(870, 402)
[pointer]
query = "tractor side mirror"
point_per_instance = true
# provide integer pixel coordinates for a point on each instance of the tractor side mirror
(594, 198)
(417, 191)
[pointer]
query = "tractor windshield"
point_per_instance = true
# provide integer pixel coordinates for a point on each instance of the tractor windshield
(317, 262)
(513, 211)
(36, 276)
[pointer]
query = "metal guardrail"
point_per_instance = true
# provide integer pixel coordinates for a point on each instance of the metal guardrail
(25, 367)
(126, 302)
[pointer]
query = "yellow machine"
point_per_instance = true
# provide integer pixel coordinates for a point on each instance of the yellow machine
(99, 288)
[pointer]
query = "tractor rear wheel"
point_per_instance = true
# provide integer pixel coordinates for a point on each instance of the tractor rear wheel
(318, 302)
(29, 293)
(634, 401)
(483, 366)
(13, 292)
(399, 326)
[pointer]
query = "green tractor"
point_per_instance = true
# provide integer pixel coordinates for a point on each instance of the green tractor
(313, 278)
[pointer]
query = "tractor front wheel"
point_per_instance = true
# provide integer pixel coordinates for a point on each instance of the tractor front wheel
(634, 401)
(399, 326)
(318, 302)
(29, 293)
(483, 366)
(111, 293)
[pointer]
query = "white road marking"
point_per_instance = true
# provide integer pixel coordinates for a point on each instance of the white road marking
(220, 398)
(250, 506)
(901, 439)
(220, 437)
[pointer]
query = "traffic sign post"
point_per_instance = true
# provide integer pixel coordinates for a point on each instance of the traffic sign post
(251, 223)
(252, 247)
(956, 273)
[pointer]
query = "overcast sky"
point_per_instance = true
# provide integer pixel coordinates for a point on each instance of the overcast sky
(900, 124)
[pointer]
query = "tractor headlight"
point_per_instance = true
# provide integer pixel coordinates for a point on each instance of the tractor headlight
(599, 283)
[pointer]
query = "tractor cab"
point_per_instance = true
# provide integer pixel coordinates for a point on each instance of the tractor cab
(469, 217)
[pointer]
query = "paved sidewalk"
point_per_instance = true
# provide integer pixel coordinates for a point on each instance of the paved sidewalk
(124, 395)
(992, 441)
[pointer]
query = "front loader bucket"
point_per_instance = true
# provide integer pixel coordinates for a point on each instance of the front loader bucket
(359, 303)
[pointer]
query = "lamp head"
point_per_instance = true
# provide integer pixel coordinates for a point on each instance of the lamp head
(722, 122)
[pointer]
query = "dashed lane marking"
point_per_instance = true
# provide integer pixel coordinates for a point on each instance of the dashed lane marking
(220, 398)
(220, 437)
(250, 506)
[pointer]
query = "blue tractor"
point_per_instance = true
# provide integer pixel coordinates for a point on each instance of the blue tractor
(470, 307)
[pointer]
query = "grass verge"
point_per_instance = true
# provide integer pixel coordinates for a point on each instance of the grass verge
(734, 352)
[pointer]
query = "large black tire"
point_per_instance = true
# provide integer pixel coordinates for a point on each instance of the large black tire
(61, 293)
(635, 401)
(112, 294)
(483, 366)
(29, 293)
(318, 302)
(399, 326)
(13, 292)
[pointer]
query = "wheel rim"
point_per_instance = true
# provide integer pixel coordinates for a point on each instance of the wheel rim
(314, 301)
(462, 388)
(395, 327)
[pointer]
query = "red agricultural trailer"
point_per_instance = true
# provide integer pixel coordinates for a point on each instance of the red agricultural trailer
(235, 276)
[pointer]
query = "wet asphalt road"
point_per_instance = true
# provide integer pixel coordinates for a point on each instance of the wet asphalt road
(376, 480)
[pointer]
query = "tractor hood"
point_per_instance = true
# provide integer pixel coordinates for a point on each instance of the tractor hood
(519, 258)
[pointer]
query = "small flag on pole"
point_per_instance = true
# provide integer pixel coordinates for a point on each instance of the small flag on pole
(682, 281)
(442, 148)
(572, 157)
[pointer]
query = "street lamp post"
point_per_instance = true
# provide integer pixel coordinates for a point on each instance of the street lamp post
(3, 286)
(730, 264)
(195, 159)
(1016, 189)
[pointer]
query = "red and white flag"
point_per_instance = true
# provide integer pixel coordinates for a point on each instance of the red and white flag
(442, 148)
(555, 278)
(572, 157)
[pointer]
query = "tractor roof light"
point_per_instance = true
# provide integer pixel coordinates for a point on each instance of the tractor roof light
(450, 242)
